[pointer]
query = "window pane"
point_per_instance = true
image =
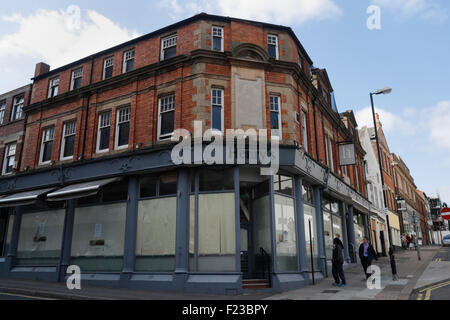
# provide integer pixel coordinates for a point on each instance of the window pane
(77, 83)
(168, 184)
(216, 180)
(130, 65)
(155, 245)
(273, 51)
(40, 238)
(217, 118)
(274, 123)
(124, 131)
(328, 233)
(167, 122)
(284, 184)
(98, 237)
(104, 138)
(69, 146)
(170, 52)
(311, 238)
(117, 191)
(217, 44)
(47, 154)
(286, 240)
(148, 186)
(108, 72)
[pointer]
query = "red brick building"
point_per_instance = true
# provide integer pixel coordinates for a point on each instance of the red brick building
(12, 128)
(98, 139)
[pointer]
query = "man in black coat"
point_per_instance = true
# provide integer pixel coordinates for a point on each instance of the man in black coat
(366, 255)
(338, 262)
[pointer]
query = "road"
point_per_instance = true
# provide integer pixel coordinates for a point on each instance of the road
(11, 296)
(436, 291)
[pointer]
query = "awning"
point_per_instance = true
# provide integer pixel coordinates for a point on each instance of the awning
(23, 198)
(80, 190)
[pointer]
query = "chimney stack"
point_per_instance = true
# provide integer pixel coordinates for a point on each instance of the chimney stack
(41, 68)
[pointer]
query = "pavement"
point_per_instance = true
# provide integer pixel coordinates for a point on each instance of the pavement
(427, 279)
(409, 269)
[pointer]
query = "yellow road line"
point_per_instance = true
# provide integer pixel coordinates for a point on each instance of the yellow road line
(437, 286)
(428, 295)
(23, 296)
(419, 296)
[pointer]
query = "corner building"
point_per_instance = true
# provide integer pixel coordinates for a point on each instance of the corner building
(97, 186)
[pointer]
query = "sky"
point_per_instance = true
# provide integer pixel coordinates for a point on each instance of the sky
(365, 45)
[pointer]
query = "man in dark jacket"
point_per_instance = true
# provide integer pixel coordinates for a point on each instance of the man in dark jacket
(338, 262)
(366, 255)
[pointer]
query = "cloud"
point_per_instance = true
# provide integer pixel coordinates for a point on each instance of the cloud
(437, 122)
(425, 9)
(58, 37)
(391, 122)
(284, 12)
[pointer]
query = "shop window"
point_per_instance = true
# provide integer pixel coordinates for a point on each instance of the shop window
(286, 240)
(283, 184)
(308, 194)
(216, 180)
(40, 238)
(156, 234)
(98, 237)
(148, 186)
(216, 233)
(311, 237)
(168, 184)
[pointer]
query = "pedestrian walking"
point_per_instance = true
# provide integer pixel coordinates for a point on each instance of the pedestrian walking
(338, 263)
(403, 241)
(413, 242)
(408, 241)
(366, 255)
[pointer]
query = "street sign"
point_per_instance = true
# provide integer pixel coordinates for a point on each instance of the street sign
(445, 213)
(347, 154)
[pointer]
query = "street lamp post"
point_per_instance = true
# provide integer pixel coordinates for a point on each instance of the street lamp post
(391, 248)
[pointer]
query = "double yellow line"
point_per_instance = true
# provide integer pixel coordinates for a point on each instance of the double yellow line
(427, 291)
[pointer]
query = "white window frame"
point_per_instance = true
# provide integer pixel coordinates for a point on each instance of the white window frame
(5, 158)
(77, 73)
(304, 131)
(51, 85)
(108, 62)
(103, 123)
(2, 111)
(43, 140)
(168, 42)
(270, 38)
(166, 136)
(222, 130)
(127, 56)
(65, 134)
(121, 118)
(21, 99)
(216, 34)
(279, 115)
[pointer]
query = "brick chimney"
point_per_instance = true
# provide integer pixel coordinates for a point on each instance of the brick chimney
(377, 116)
(41, 68)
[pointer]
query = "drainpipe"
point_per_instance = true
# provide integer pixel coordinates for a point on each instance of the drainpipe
(315, 128)
(87, 111)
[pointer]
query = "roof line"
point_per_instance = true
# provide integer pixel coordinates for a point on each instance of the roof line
(178, 24)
